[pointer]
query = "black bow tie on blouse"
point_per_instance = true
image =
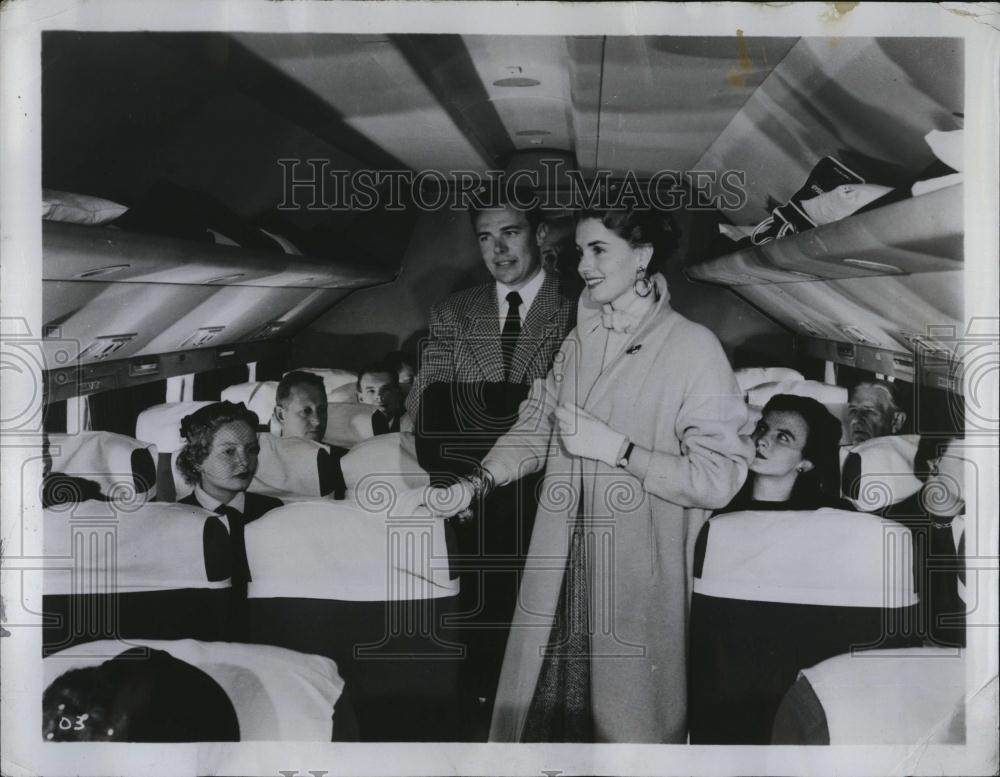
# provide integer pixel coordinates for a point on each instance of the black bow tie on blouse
(241, 567)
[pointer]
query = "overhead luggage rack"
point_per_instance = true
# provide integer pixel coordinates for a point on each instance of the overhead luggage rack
(80, 253)
(918, 235)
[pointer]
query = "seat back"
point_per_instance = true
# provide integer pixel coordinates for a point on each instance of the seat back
(772, 596)
(153, 570)
(386, 461)
(370, 589)
(888, 697)
(277, 694)
(258, 396)
(333, 380)
(348, 423)
(879, 472)
(123, 468)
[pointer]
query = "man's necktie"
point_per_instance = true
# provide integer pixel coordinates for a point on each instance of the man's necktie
(511, 331)
(240, 568)
(380, 424)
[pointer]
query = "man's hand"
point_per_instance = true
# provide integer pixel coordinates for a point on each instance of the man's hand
(446, 502)
(587, 437)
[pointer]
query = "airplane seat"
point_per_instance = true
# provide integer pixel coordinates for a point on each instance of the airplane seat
(341, 385)
(771, 597)
(293, 468)
(877, 697)
(751, 377)
(878, 472)
(258, 396)
(134, 570)
(368, 587)
(388, 460)
(348, 423)
(161, 426)
(122, 467)
(276, 694)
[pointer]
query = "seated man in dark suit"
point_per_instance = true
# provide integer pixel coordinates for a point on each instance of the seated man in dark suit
(378, 386)
(300, 406)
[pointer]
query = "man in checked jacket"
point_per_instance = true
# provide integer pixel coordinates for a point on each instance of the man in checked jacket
(487, 345)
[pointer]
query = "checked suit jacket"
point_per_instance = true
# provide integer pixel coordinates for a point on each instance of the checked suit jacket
(464, 344)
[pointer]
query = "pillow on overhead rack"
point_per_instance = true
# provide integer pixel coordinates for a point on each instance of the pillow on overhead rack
(73, 208)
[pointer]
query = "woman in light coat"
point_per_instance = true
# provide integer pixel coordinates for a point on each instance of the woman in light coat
(637, 425)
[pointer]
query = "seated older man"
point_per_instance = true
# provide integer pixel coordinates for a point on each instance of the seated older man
(300, 406)
(875, 410)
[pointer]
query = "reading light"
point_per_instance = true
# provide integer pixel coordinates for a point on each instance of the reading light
(516, 82)
(223, 278)
(864, 264)
(106, 270)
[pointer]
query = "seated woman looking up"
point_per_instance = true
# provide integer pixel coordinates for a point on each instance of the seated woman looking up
(796, 466)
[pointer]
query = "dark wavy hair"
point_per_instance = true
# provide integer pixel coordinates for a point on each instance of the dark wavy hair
(199, 430)
(638, 227)
(821, 485)
(931, 448)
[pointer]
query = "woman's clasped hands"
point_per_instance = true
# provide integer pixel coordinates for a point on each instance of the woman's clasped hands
(584, 435)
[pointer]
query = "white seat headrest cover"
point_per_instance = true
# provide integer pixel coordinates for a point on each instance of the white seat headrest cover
(103, 457)
(751, 377)
(821, 557)
(891, 697)
(156, 546)
(161, 424)
(886, 471)
(348, 423)
(384, 461)
(287, 465)
(333, 378)
(339, 551)
(258, 397)
(278, 694)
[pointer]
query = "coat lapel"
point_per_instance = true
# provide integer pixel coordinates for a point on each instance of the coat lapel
(598, 379)
(482, 333)
(540, 326)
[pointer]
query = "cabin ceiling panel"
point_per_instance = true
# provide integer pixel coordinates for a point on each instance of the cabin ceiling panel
(665, 100)
(864, 101)
(368, 81)
(534, 116)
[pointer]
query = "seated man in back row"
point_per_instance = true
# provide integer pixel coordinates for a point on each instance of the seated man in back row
(875, 410)
(378, 386)
(300, 406)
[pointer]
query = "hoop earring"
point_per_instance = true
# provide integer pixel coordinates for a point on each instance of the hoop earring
(642, 285)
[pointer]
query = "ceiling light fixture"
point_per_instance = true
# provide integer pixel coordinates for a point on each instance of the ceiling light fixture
(516, 82)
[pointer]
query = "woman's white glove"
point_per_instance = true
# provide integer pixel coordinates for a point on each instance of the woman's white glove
(588, 437)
